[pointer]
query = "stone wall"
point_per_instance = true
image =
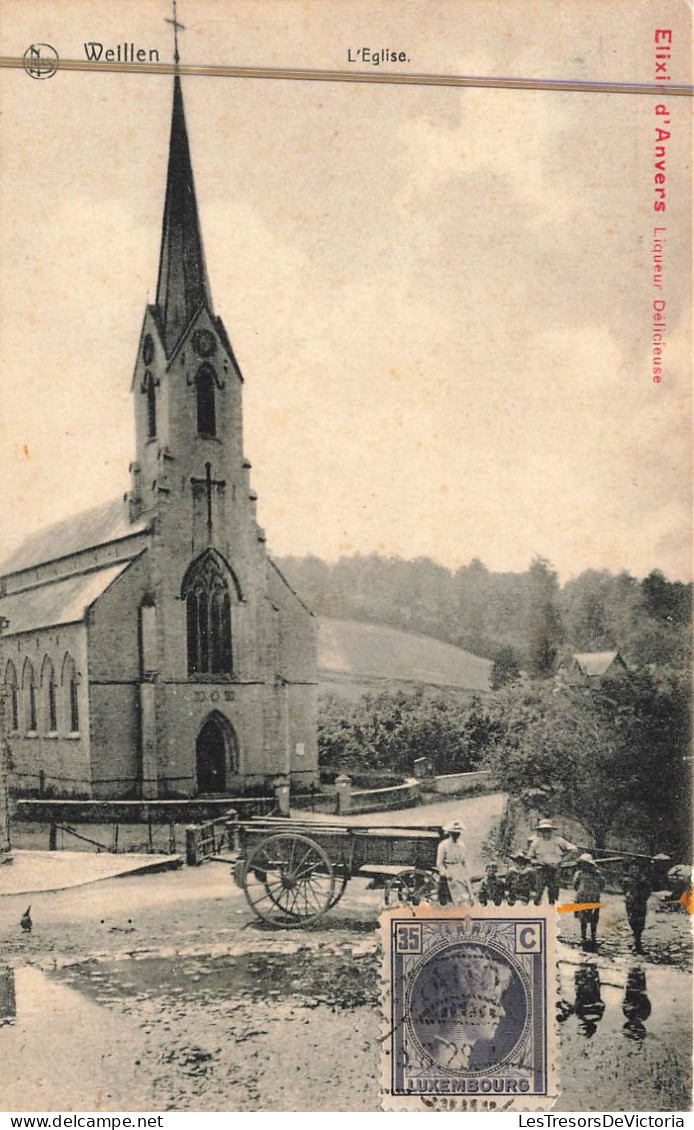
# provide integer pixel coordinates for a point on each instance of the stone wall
(458, 784)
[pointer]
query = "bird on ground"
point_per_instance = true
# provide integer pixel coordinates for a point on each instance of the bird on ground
(25, 921)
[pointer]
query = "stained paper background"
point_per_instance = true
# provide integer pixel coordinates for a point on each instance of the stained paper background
(440, 298)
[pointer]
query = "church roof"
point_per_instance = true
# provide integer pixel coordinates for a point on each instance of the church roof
(98, 526)
(182, 286)
(63, 601)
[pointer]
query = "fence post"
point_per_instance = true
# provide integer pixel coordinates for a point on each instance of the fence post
(8, 1004)
(282, 801)
(172, 837)
(193, 832)
(232, 827)
(53, 838)
(343, 793)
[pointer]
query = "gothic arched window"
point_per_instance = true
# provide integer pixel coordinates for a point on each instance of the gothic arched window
(70, 684)
(204, 392)
(208, 618)
(11, 682)
(29, 688)
(150, 389)
(50, 712)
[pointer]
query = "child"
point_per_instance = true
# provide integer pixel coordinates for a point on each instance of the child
(520, 879)
(492, 886)
(589, 884)
(637, 891)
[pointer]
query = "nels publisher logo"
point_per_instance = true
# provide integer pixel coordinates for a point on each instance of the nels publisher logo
(41, 60)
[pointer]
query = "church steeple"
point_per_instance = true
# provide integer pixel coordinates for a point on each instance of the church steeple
(182, 286)
(187, 383)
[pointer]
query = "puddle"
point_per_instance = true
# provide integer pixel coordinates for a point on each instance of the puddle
(628, 1024)
(163, 1033)
(180, 1031)
(61, 1051)
(342, 982)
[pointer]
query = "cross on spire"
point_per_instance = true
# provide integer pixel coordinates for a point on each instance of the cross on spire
(182, 286)
(176, 26)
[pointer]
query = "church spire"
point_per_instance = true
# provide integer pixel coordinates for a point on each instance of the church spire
(182, 286)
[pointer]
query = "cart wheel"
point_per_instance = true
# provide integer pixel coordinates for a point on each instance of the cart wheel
(289, 880)
(239, 873)
(340, 884)
(410, 888)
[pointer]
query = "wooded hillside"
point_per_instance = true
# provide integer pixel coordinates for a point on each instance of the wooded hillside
(484, 612)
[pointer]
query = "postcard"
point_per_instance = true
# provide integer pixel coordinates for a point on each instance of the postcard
(345, 528)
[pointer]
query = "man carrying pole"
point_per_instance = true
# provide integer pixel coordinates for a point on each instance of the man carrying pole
(547, 852)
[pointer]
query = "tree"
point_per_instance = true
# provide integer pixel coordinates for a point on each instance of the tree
(649, 620)
(389, 731)
(505, 668)
(594, 751)
(543, 619)
(585, 609)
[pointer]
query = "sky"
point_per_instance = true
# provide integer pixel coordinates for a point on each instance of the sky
(441, 299)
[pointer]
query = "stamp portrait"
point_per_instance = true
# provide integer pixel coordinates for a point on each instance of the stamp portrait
(468, 1005)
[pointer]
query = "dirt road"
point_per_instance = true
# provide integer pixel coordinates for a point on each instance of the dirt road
(163, 992)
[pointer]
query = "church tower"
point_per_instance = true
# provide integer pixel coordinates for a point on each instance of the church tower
(228, 651)
(187, 384)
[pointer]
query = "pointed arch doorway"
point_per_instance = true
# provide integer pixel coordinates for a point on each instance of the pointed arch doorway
(215, 754)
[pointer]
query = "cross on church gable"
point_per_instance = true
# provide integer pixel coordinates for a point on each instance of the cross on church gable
(204, 487)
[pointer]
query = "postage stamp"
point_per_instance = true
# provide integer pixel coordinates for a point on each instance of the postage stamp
(469, 1002)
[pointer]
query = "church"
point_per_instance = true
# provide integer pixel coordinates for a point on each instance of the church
(150, 647)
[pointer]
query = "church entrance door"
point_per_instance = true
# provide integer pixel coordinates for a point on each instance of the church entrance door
(213, 754)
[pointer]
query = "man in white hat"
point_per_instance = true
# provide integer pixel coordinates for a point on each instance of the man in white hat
(451, 865)
(547, 852)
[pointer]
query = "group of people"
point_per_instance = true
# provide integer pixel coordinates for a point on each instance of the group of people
(537, 870)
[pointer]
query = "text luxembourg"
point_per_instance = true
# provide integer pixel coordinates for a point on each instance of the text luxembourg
(469, 1086)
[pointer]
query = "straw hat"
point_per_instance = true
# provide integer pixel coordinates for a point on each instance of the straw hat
(587, 858)
(456, 826)
(545, 824)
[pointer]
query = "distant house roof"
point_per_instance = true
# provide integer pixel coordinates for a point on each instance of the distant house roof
(98, 526)
(63, 601)
(597, 663)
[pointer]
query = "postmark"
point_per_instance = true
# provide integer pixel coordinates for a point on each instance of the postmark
(469, 1001)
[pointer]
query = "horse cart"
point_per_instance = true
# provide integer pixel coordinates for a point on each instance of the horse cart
(293, 871)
